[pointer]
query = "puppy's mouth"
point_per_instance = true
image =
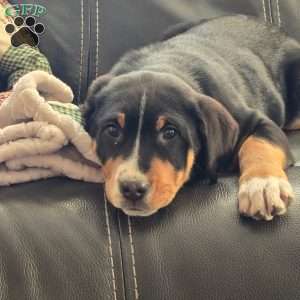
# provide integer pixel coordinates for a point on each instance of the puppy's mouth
(136, 209)
(136, 212)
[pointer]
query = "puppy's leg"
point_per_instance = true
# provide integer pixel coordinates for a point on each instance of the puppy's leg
(264, 188)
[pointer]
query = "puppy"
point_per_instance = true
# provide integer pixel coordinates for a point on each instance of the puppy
(209, 97)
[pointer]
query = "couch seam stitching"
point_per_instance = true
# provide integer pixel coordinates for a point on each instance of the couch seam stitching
(111, 259)
(97, 38)
(132, 252)
(122, 254)
(81, 49)
(270, 11)
(264, 9)
(278, 13)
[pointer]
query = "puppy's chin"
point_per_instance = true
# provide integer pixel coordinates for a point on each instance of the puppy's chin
(139, 213)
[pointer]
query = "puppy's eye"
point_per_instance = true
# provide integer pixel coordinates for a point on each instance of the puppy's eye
(169, 132)
(113, 131)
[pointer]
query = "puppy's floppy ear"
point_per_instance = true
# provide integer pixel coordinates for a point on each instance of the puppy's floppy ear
(89, 107)
(181, 28)
(99, 83)
(218, 134)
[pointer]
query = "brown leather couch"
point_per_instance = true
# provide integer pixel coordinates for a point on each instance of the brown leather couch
(60, 239)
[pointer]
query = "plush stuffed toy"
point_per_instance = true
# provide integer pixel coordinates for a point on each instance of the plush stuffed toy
(41, 131)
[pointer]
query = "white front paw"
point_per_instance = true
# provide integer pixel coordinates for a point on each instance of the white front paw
(263, 198)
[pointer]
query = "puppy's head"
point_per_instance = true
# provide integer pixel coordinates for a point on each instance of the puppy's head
(150, 130)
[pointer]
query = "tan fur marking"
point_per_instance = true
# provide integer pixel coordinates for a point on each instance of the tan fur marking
(161, 122)
(109, 171)
(94, 146)
(189, 163)
(166, 181)
(295, 125)
(260, 158)
(121, 120)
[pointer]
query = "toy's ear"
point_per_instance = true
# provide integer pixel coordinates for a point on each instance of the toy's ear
(89, 108)
(218, 132)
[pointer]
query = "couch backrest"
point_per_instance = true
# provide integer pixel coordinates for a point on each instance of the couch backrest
(84, 38)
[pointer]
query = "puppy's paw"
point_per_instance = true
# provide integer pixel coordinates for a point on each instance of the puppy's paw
(263, 198)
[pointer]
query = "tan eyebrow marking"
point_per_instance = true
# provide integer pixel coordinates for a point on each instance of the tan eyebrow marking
(121, 119)
(161, 121)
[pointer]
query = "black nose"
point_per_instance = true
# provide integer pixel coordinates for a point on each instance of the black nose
(133, 190)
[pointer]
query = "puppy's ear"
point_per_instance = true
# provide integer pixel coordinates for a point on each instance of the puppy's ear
(99, 83)
(180, 28)
(88, 109)
(218, 134)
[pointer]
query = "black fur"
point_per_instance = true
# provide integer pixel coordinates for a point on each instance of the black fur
(252, 69)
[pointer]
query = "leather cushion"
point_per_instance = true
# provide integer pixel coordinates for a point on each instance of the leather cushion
(200, 248)
(55, 243)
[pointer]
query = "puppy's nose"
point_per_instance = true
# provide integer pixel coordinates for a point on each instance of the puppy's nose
(133, 190)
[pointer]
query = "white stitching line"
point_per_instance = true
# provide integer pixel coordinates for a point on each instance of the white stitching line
(278, 13)
(136, 292)
(97, 38)
(81, 50)
(270, 13)
(110, 248)
(264, 8)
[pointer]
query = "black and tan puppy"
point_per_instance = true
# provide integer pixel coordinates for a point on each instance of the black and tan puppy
(209, 96)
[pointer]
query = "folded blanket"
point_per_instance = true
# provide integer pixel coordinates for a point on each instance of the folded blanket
(41, 138)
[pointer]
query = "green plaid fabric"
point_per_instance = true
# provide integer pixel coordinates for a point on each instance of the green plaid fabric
(17, 61)
(68, 109)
